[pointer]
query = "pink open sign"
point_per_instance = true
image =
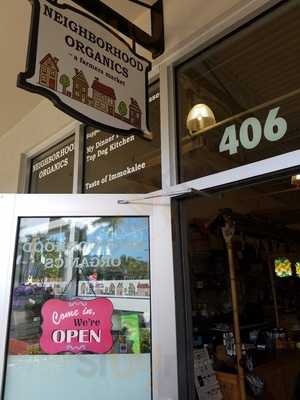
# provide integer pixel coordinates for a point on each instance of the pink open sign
(77, 326)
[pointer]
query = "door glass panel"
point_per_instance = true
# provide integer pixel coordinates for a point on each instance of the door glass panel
(85, 258)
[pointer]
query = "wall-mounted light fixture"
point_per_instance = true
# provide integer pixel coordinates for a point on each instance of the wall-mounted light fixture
(296, 180)
(200, 117)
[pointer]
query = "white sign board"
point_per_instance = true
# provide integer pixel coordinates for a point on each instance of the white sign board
(206, 384)
(86, 69)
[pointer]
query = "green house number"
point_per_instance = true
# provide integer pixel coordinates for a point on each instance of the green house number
(252, 131)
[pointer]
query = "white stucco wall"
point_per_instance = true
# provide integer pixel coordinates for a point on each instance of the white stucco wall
(182, 19)
(185, 17)
(43, 122)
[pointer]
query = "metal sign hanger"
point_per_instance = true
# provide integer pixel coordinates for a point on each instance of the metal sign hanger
(155, 42)
(189, 191)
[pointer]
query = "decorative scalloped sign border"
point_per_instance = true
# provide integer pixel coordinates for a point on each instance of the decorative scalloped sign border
(77, 326)
(86, 70)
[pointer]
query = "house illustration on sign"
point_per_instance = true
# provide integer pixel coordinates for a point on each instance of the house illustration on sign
(135, 114)
(104, 98)
(49, 72)
(80, 87)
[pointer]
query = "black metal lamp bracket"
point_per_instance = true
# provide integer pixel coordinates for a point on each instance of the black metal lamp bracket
(155, 42)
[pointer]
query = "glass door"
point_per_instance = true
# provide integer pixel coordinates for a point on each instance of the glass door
(84, 310)
(241, 290)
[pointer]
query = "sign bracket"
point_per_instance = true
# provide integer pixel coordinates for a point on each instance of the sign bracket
(155, 42)
(141, 3)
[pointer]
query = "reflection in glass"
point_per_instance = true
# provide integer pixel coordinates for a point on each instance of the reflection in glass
(252, 87)
(283, 267)
(64, 258)
(262, 304)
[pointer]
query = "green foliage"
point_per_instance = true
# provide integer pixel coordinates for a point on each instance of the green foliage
(53, 269)
(134, 269)
(145, 340)
(64, 81)
(122, 108)
(130, 268)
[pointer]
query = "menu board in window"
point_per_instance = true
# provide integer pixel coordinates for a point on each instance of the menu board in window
(52, 171)
(118, 164)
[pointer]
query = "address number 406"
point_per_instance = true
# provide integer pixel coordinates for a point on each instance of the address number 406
(252, 131)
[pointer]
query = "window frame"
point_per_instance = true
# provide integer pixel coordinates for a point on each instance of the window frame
(163, 333)
(258, 168)
(247, 173)
(75, 129)
(226, 26)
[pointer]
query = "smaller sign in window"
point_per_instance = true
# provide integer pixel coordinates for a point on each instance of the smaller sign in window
(52, 171)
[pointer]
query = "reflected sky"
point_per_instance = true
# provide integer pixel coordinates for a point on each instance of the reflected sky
(105, 236)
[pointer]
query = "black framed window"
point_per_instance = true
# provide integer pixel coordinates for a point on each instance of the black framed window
(129, 164)
(247, 88)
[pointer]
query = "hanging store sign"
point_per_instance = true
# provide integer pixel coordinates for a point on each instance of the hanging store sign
(77, 326)
(86, 70)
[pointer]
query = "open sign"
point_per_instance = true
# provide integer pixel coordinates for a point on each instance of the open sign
(77, 326)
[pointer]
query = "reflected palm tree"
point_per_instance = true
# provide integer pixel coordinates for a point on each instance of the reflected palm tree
(112, 223)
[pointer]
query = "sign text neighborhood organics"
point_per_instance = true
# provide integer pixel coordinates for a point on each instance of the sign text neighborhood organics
(103, 45)
(87, 70)
(59, 160)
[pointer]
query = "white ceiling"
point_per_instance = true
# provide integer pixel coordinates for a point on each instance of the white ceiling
(14, 30)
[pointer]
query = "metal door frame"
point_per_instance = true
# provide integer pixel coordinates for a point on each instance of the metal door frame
(164, 351)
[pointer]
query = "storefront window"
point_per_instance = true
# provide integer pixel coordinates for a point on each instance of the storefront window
(247, 88)
(52, 171)
(124, 164)
(74, 262)
(243, 282)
